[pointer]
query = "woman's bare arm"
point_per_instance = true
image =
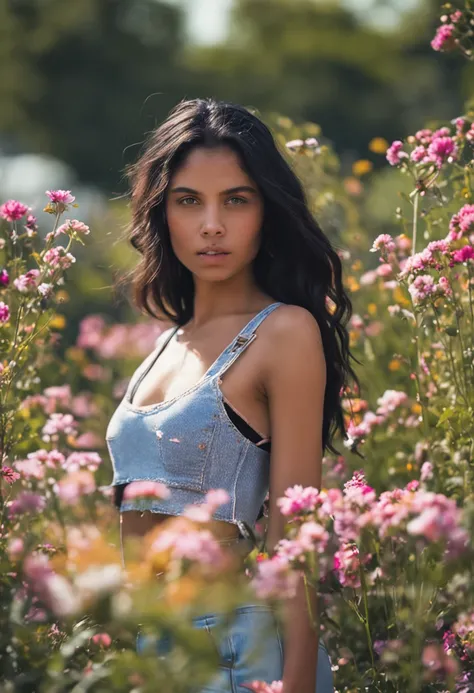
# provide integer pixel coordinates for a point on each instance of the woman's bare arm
(295, 381)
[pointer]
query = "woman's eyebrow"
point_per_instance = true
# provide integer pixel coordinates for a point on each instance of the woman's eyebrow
(239, 188)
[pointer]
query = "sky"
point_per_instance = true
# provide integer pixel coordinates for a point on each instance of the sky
(207, 19)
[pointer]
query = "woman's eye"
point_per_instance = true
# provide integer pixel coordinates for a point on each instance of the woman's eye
(183, 200)
(240, 200)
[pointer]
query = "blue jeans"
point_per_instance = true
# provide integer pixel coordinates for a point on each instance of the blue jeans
(251, 649)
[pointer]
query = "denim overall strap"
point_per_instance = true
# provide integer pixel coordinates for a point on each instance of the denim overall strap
(246, 335)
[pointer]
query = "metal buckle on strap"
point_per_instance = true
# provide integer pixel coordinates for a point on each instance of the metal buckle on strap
(239, 342)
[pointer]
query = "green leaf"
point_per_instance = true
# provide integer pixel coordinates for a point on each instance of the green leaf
(447, 414)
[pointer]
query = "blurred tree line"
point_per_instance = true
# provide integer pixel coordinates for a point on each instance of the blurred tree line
(83, 81)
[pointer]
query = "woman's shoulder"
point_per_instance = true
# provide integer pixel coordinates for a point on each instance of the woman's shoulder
(290, 319)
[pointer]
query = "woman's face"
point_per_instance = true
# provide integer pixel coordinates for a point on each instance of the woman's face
(212, 203)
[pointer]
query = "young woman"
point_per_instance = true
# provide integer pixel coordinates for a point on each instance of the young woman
(248, 379)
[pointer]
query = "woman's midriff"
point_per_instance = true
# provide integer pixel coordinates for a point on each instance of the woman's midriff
(136, 523)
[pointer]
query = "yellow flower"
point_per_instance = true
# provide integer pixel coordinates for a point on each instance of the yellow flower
(400, 297)
(361, 167)
(416, 408)
(356, 266)
(409, 466)
(58, 322)
(353, 337)
(394, 365)
(378, 145)
(352, 283)
(372, 308)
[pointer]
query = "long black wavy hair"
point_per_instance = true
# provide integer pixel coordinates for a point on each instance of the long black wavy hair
(296, 263)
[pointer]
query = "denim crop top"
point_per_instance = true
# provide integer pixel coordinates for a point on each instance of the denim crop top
(190, 444)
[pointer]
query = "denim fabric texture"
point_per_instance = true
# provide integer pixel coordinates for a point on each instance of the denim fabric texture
(190, 444)
(250, 649)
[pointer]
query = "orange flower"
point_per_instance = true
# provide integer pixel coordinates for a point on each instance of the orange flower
(352, 283)
(378, 145)
(58, 322)
(362, 167)
(394, 365)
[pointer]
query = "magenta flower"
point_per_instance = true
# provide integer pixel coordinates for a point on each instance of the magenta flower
(464, 254)
(13, 210)
(442, 149)
(461, 223)
(62, 197)
(9, 474)
(145, 489)
(395, 153)
(4, 277)
(4, 312)
(443, 39)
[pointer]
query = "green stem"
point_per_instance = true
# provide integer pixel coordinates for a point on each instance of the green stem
(415, 221)
(363, 584)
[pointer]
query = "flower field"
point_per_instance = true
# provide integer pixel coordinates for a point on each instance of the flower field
(388, 540)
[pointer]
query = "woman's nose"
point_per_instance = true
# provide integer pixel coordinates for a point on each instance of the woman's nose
(212, 224)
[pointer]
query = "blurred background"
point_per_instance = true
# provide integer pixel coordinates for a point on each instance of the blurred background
(82, 82)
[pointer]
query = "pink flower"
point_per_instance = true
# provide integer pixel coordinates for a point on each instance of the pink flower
(456, 16)
(419, 154)
(26, 282)
(347, 565)
(15, 548)
(395, 153)
(58, 423)
(145, 489)
(82, 459)
(461, 223)
(26, 502)
(58, 257)
(424, 136)
(391, 400)
(262, 687)
(62, 197)
(9, 474)
(443, 39)
(384, 243)
(217, 497)
(464, 254)
(74, 485)
(102, 639)
(298, 499)
(13, 210)
(30, 468)
(4, 312)
(193, 545)
(70, 226)
(442, 149)
(275, 579)
(4, 278)
(422, 287)
(438, 663)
